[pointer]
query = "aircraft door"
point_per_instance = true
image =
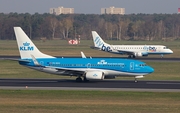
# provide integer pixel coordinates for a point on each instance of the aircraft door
(41, 63)
(131, 65)
(146, 48)
(88, 65)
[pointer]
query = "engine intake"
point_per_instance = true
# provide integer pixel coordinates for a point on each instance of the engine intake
(96, 75)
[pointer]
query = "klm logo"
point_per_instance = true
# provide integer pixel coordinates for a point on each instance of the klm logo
(95, 75)
(102, 62)
(26, 47)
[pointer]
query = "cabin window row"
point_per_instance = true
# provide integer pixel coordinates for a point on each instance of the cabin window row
(129, 48)
(80, 65)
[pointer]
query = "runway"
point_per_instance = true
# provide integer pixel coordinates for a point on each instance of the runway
(110, 85)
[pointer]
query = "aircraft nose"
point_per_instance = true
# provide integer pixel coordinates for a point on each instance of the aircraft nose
(150, 69)
(171, 51)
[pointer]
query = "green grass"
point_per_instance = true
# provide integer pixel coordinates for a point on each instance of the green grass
(12, 69)
(20, 101)
(62, 48)
(163, 71)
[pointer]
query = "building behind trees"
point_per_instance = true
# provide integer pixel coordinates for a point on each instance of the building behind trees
(113, 10)
(61, 10)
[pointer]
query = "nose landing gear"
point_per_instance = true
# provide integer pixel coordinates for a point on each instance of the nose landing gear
(162, 55)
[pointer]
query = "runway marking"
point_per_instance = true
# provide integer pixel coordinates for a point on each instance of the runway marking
(161, 83)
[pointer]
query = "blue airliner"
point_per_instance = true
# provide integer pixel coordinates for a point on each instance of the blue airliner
(83, 68)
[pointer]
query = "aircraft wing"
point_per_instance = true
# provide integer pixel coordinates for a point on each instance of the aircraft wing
(71, 71)
(126, 52)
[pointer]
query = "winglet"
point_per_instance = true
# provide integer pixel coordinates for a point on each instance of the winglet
(35, 61)
(83, 55)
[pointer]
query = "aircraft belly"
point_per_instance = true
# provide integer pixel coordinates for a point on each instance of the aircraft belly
(74, 73)
(117, 73)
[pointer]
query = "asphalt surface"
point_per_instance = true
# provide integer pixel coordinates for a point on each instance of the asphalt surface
(63, 84)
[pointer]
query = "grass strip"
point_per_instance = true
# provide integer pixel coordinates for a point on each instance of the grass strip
(20, 101)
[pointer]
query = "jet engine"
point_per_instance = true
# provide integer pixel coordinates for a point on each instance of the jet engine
(141, 54)
(96, 75)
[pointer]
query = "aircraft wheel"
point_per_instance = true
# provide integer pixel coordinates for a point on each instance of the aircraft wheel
(162, 55)
(79, 79)
(135, 80)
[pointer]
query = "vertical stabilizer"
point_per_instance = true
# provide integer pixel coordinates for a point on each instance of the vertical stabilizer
(26, 46)
(99, 43)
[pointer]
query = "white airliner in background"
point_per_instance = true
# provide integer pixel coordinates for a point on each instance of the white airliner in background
(131, 50)
(87, 68)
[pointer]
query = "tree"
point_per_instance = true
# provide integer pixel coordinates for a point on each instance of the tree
(53, 25)
(65, 25)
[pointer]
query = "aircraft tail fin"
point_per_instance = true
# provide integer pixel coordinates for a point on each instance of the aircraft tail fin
(99, 43)
(26, 46)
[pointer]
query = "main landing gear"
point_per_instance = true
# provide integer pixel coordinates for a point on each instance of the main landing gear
(135, 80)
(79, 79)
(162, 55)
(131, 56)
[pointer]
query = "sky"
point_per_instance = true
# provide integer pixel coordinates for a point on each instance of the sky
(90, 6)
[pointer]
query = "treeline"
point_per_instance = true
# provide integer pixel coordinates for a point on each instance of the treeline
(113, 27)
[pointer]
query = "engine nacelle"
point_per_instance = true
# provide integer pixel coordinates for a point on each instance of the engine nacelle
(96, 75)
(139, 77)
(141, 54)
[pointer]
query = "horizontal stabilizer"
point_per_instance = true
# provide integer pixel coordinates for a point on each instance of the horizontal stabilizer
(93, 47)
(13, 59)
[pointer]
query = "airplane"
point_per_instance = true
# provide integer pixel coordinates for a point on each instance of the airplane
(83, 68)
(131, 50)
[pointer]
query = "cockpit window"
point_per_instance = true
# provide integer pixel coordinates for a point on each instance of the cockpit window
(165, 47)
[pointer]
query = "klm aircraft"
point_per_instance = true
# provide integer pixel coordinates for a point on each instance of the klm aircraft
(131, 50)
(83, 68)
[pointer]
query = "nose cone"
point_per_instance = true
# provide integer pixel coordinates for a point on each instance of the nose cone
(170, 51)
(150, 69)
